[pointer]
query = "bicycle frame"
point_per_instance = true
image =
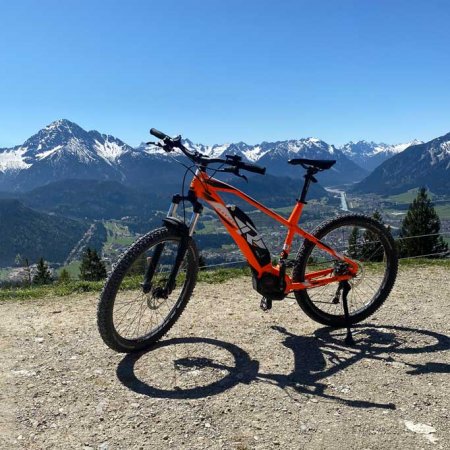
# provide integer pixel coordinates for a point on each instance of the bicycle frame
(207, 188)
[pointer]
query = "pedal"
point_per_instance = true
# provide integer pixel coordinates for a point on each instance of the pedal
(266, 304)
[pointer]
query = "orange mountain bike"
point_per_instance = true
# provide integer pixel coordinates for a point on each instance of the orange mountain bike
(343, 272)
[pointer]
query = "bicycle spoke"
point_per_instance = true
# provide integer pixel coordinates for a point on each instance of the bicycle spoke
(364, 246)
(136, 314)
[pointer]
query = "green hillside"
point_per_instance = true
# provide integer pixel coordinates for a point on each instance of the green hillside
(33, 234)
(93, 199)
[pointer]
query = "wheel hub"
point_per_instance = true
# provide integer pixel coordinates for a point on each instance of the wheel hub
(359, 277)
(341, 268)
(156, 298)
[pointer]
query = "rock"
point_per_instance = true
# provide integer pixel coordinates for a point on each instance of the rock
(421, 428)
(24, 373)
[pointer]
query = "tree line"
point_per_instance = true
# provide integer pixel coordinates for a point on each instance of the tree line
(92, 268)
(419, 234)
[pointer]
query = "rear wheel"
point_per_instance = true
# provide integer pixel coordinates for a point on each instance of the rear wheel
(367, 242)
(131, 315)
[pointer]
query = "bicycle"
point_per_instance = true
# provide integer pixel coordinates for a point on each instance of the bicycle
(343, 272)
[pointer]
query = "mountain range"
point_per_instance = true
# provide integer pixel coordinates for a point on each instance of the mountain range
(64, 178)
(370, 154)
(63, 150)
(424, 164)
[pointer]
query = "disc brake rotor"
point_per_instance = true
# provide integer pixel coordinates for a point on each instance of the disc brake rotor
(357, 280)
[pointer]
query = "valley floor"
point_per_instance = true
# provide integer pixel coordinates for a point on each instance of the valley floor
(230, 376)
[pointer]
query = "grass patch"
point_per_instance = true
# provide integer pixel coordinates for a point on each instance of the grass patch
(424, 262)
(79, 287)
(210, 227)
(406, 197)
(205, 276)
(222, 275)
(118, 239)
(443, 211)
(73, 268)
(58, 290)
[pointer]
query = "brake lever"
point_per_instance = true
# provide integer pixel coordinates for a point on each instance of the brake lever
(164, 146)
(242, 176)
(235, 171)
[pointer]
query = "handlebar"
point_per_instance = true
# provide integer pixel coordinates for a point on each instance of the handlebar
(158, 134)
(252, 168)
(233, 160)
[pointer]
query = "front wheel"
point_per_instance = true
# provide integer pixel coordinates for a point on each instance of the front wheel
(139, 302)
(366, 241)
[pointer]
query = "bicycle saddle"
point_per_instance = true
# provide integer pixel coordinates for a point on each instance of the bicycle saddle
(320, 164)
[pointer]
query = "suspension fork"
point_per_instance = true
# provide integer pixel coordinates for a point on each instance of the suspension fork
(186, 231)
(182, 249)
(150, 271)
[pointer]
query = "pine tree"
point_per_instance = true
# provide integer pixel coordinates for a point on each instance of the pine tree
(43, 275)
(421, 219)
(64, 277)
(92, 267)
(353, 250)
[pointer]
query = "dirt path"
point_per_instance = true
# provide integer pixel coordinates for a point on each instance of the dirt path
(230, 376)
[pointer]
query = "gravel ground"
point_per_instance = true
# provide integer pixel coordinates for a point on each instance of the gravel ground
(230, 376)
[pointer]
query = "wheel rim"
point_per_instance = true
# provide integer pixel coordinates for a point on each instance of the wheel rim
(367, 246)
(138, 315)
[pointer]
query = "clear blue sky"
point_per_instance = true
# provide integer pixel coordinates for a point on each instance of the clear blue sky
(226, 70)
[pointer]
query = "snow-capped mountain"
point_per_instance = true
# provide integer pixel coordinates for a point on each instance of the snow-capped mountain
(370, 154)
(63, 139)
(214, 151)
(63, 150)
(274, 156)
(425, 164)
(59, 151)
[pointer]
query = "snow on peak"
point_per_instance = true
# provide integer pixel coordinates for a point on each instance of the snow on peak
(46, 153)
(255, 153)
(439, 151)
(216, 151)
(365, 148)
(398, 148)
(13, 159)
(60, 124)
(110, 148)
(313, 140)
(77, 148)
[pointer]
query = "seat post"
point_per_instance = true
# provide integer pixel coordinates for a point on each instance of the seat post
(309, 178)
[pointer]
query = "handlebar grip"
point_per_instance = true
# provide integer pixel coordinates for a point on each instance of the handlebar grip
(158, 134)
(252, 168)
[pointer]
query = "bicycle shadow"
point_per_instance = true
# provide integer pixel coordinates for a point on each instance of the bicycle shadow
(316, 358)
(244, 370)
(322, 355)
